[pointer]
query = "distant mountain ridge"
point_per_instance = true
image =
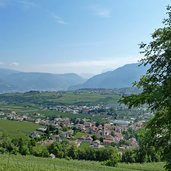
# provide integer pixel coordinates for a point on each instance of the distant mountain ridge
(16, 81)
(121, 77)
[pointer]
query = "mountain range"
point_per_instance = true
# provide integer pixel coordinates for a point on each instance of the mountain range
(16, 81)
(121, 77)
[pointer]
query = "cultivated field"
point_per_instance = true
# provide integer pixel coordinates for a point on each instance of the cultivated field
(28, 163)
(17, 129)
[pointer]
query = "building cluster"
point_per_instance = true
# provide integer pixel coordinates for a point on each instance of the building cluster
(74, 109)
(96, 134)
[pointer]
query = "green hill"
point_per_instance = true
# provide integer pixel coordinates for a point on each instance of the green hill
(28, 163)
(17, 129)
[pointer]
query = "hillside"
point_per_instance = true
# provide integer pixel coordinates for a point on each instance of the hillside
(119, 78)
(15, 129)
(15, 81)
(29, 163)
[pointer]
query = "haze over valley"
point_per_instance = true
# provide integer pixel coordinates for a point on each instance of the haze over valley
(85, 85)
(16, 81)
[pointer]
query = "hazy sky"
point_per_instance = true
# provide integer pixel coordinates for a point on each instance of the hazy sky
(81, 36)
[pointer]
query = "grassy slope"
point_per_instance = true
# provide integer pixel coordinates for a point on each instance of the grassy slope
(29, 103)
(20, 163)
(70, 115)
(89, 98)
(17, 129)
(58, 98)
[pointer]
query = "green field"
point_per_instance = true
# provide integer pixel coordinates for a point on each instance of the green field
(38, 102)
(87, 98)
(52, 113)
(17, 129)
(28, 163)
(34, 99)
(33, 102)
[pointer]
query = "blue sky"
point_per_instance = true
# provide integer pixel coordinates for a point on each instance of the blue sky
(81, 36)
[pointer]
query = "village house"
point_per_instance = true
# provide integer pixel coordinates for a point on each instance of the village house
(35, 134)
(108, 140)
(97, 144)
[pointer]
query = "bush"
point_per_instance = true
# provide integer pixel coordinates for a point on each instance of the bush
(113, 161)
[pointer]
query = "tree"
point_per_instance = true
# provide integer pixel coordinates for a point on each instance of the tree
(94, 137)
(73, 152)
(146, 151)
(113, 161)
(129, 156)
(56, 149)
(112, 157)
(40, 151)
(156, 87)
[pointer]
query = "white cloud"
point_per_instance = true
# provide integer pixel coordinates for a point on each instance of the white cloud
(101, 12)
(104, 13)
(89, 66)
(27, 3)
(58, 19)
(14, 64)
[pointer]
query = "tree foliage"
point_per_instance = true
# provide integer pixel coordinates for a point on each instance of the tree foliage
(156, 87)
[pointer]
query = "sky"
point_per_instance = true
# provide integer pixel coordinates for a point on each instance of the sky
(75, 36)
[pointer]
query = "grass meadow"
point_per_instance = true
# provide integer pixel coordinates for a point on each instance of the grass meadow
(15, 129)
(29, 163)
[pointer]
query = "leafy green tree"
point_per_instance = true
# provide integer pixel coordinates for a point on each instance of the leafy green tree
(94, 137)
(5, 143)
(146, 151)
(101, 139)
(40, 150)
(24, 150)
(50, 129)
(73, 152)
(129, 156)
(106, 153)
(123, 143)
(59, 149)
(113, 161)
(22, 144)
(113, 158)
(156, 87)
(130, 133)
(97, 123)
